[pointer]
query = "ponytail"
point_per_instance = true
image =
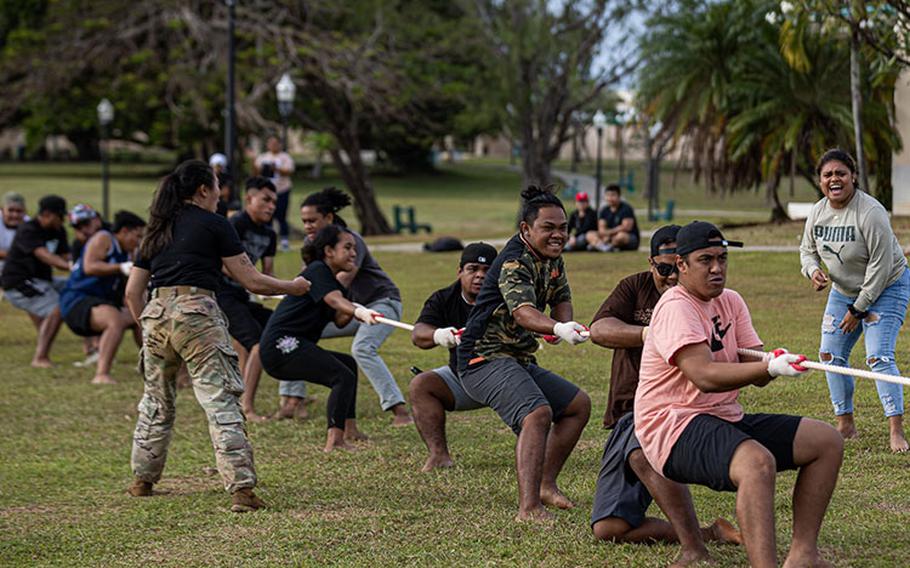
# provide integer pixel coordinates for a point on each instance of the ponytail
(329, 200)
(171, 196)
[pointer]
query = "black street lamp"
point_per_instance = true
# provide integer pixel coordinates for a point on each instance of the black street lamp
(600, 120)
(285, 90)
(105, 117)
(229, 115)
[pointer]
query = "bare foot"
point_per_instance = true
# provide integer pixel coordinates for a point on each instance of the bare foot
(42, 363)
(301, 413)
(310, 400)
(332, 446)
(251, 416)
(722, 531)
(846, 426)
(437, 461)
(899, 444)
(401, 416)
(355, 436)
(553, 497)
(805, 561)
(691, 558)
(103, 380)
(538, 515)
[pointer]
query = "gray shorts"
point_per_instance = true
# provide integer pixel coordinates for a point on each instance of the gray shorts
(619, 493)
(42, 297)
(462, 400)
(514, 391)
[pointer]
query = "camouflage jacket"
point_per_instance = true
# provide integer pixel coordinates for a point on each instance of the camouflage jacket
(518, 277)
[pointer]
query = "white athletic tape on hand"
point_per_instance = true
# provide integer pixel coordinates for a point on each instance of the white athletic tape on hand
(896, 379)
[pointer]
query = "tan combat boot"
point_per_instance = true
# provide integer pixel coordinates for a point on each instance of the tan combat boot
(139, 488)
(244, 501)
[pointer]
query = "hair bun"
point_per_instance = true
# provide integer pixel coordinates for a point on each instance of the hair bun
(535, 191)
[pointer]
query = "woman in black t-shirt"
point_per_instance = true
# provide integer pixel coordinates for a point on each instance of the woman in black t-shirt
(180, 260)
(288, 347)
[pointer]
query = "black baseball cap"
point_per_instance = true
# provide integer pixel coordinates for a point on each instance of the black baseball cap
(662, 236)
(699, 235)
(481, 253)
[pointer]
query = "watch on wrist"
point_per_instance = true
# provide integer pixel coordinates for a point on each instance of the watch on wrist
(856, 313)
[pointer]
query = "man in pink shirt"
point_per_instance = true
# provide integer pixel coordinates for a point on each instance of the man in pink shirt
(688, 420)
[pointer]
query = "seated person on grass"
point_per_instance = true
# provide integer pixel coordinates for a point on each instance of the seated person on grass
(444, 314)
(28, 281)
(693, 430)
(13, 210)
(92, 300)
(617, 229)
(626, 484)
(581, 222)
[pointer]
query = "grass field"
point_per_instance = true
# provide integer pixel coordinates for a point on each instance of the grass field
(65, 461)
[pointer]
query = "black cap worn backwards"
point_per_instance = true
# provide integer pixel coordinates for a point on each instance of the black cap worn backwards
(699, 235)
(481, 253)
(662, 236)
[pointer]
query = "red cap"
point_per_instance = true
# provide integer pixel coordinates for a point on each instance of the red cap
(581, 196)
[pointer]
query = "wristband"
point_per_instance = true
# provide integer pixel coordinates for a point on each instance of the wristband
(856, 313)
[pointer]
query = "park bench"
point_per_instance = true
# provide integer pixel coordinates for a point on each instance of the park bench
(665, 215)
(406, 219)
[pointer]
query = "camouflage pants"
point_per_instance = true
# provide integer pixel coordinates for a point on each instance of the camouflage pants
(190, 328)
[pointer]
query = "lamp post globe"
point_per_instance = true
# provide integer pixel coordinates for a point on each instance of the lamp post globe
(105, 117)
(285, 91)
(599, 120)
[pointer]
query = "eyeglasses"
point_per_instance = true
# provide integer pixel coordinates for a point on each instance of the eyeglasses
(665, 269)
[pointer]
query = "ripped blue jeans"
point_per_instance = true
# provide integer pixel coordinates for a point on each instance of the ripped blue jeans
(879, 331)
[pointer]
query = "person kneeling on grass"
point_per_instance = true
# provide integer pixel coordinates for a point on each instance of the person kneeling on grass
(444, 314)
(688, 420)
(627, 484)
(92, 300)
(496, 363)
(288, 346)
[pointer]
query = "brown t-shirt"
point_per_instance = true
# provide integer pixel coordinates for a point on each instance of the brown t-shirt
(631, 302)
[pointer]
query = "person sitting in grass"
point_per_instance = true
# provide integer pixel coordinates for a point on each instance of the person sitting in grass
(627, 484)
(581, 222)
(289, 349)
(92, 300)
(13, 215)
(28, 282)
(617, 229)
(444, 314)
(496, 363)
(690, 425)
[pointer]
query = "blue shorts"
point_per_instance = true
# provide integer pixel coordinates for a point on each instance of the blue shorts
(619, 493)
(463, 401)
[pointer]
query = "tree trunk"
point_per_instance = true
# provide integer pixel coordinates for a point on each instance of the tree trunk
(535, 167)
(354, 174)
(884, 191)
(778, 213)
(857, 98)
(793, 158)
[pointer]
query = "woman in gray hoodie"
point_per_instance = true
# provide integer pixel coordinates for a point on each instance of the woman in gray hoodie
(850, 232)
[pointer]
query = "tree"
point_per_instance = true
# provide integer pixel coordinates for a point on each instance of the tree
(543, 55)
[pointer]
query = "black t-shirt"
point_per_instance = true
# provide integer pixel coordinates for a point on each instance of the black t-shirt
(446, 308)
(193, 257)
(631, 302)
(614, 218)
(304, 316)
(259, 241)
(21, 262)
(579, 225)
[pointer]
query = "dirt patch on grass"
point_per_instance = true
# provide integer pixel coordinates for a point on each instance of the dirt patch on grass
(188, 485)
(334, 514)
(900, 508)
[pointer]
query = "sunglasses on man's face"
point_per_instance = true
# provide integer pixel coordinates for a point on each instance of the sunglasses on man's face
(665, 269)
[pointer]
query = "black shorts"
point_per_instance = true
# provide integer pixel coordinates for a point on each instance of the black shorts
(619, 492)
(79, 318)
(704, 450)
(246, 319)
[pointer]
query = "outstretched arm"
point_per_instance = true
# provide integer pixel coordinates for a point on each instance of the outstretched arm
(243, 271)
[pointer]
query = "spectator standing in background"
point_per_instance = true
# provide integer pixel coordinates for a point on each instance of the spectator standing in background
(278, 166)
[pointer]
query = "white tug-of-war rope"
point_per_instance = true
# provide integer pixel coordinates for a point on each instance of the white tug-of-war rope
(837, 369)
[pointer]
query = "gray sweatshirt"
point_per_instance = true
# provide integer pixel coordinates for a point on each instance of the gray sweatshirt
(856, 244)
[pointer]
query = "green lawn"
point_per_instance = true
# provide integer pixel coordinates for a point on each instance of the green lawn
(65, 461)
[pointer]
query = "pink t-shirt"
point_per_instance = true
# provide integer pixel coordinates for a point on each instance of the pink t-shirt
(666, 401)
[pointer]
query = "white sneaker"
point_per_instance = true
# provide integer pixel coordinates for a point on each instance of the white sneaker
(90, 360)
(285, 245)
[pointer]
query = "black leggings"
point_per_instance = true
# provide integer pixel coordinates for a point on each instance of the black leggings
(309, 362)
